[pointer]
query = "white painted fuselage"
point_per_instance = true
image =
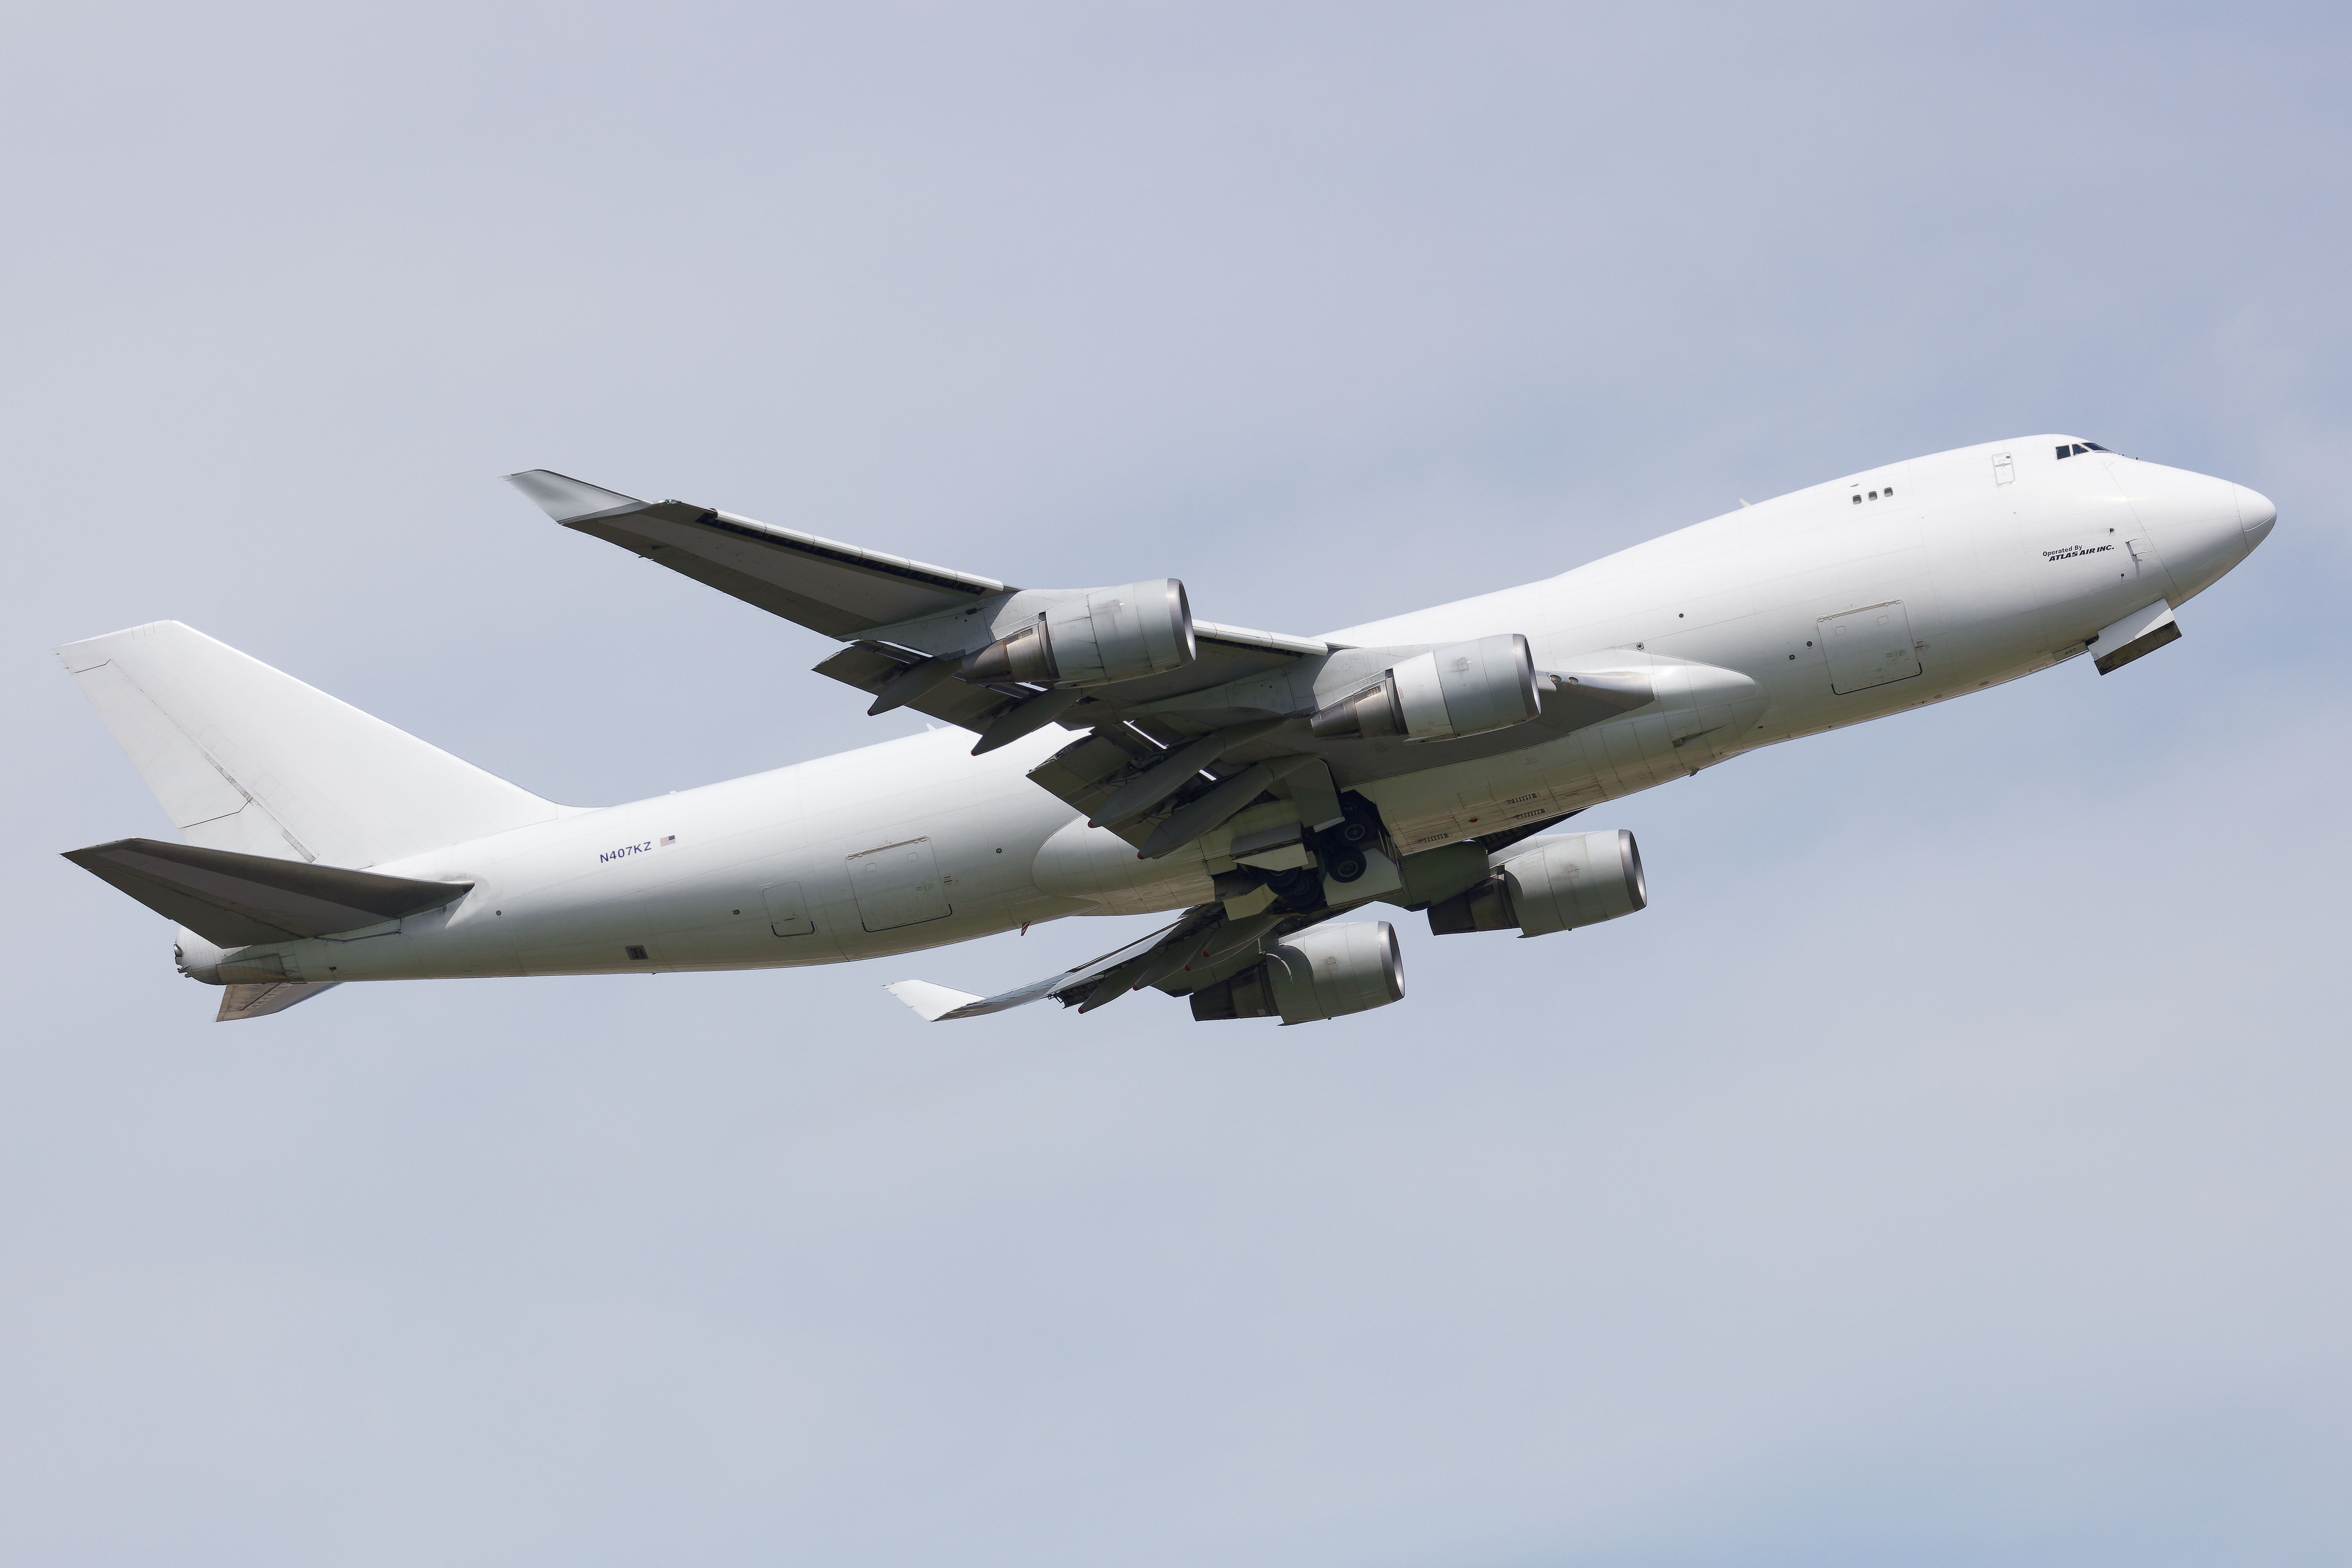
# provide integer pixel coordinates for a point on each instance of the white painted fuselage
(1903, 585)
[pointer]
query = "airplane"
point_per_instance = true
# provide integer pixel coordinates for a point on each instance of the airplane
(1103, 753)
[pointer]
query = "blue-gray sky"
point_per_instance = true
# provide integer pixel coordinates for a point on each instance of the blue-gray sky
(1947, 1168)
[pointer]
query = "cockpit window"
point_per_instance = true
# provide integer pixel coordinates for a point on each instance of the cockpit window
(2077, 448)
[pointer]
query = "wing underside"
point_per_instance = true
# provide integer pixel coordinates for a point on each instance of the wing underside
(1203, 946)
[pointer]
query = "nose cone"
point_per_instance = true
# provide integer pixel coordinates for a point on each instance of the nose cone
(2255, 514)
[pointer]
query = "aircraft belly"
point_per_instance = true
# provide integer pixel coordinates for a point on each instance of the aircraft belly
(1101, 871)
(1466, 800)
(685, 881)
(691, 924)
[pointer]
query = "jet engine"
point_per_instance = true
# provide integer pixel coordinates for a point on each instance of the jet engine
(1555, 884)
(1323, 971)
(1465, 689)
(1095, 637)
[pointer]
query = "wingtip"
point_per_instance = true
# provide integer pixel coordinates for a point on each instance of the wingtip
(932, 1003)
(565, 499)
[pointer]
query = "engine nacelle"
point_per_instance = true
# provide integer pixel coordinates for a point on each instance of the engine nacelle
(1095, 637)
(1556, 884)
(1323, 971)
(1465, 689)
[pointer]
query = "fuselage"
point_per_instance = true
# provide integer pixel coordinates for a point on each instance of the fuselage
(1903, 585)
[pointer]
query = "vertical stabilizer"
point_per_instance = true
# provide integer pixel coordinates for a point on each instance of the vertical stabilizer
(246, 758)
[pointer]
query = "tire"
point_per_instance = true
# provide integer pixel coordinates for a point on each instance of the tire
(1343, 862)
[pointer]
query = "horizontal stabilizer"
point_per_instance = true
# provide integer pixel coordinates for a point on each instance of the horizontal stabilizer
(239, 899)
(241, 1001)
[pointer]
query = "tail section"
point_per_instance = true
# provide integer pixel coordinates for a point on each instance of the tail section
(248, 759)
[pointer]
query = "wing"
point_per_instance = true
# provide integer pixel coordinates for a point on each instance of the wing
(897, 615)
(1183, 733)
(1203, 946)
(820, 584)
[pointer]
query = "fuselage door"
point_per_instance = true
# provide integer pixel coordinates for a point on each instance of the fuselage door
(897, 885)
(1869, 648)
(787, 910)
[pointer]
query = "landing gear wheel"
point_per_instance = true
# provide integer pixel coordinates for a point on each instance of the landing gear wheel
(1343, 862)
(1343, 846)
(1298, 889)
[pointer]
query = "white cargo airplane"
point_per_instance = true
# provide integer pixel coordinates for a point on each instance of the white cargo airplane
(1266, 785)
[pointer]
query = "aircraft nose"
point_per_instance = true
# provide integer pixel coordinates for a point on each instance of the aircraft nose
(2255, 514)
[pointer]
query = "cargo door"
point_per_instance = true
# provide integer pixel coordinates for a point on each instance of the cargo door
(897, 885)
(1869, 648)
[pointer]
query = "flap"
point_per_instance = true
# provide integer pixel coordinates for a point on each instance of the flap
(866, 667)
(239, 899)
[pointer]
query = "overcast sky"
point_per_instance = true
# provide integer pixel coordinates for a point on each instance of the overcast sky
(1949, 1167)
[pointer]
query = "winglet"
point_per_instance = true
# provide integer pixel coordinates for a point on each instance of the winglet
(565, 499)
(933, 1002)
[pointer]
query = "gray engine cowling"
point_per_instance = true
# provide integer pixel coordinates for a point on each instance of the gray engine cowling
(1467, 689)
(1095, 637)
(1323, 971)
(1554, 884)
